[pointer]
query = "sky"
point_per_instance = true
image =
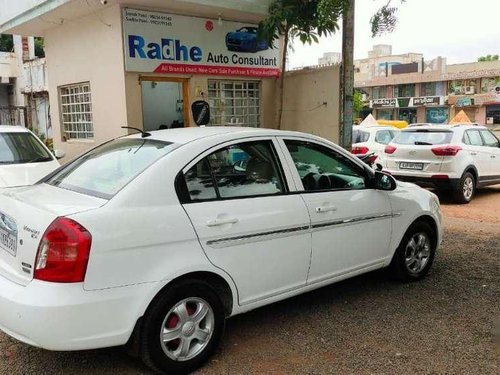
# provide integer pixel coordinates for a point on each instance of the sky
(460, 30)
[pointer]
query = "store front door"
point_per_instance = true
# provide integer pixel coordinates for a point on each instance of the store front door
(164, 104)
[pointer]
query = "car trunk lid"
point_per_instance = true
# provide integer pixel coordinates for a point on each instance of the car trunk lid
(25, 214)
(412, 150)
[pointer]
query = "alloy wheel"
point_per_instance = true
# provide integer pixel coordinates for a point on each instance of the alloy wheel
(187, 329)
(417, 252)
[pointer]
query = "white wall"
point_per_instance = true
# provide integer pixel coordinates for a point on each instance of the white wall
(89, 49)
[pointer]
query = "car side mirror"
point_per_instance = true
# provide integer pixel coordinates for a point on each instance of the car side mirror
(384, 181)
(59, 154)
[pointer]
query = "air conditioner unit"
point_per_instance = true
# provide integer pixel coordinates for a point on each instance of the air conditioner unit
(469, 89)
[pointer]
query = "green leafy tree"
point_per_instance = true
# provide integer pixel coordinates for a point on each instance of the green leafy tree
(385, 19)
(39, 47)
(306, 20)
(488, 58)
(6, 43)
(357, 103)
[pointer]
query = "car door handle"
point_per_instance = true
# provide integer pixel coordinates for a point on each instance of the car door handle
(221, 221)
(473, 153)
(322, 209)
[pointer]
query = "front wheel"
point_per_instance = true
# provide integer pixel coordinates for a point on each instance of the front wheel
(415, 254)
(466, 188)
(182, 328)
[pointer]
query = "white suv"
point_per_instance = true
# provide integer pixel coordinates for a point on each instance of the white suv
(459, 158)
(368, 139)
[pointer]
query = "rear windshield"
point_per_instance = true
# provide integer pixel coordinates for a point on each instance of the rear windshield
(423, 137)
(105, 170)
(359, 136)
(17, 148)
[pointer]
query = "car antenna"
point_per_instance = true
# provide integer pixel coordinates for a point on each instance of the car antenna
(144, 133)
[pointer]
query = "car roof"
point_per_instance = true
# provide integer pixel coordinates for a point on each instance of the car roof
(444, 127)
(13, 129)
(189, 134)
(374, 127)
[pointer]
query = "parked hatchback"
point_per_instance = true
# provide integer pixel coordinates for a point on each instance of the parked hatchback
(457, 158)
(156, 239)
(24, 159)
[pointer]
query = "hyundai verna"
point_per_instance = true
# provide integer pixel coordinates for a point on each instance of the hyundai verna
(157, 238)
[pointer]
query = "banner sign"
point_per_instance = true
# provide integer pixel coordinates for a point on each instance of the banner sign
(383, 103)
(167, 43)
(407, 102)
(428, 100)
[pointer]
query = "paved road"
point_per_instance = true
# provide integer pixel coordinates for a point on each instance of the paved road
(367, 325)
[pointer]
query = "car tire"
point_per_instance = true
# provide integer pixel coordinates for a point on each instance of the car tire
(466, 188)
(182, 328)
(415, 254)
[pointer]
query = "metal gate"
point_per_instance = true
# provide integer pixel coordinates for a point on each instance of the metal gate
(13, 115)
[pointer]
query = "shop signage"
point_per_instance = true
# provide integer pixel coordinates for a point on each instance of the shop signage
(427, 101)
(166, 43)
(383, 103)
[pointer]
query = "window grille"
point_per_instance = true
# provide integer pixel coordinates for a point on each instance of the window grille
(234, 103)
(76, 111)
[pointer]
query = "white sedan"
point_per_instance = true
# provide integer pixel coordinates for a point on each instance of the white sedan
(24, 159)
(156, 238)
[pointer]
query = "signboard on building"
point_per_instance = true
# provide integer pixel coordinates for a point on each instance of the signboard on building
(427, 101)
(383, 103)
(167, 43)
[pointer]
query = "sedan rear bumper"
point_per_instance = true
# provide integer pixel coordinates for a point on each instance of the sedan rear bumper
(66, 317)
(430, 182)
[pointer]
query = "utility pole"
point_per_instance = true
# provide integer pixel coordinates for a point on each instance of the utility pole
(347, 76)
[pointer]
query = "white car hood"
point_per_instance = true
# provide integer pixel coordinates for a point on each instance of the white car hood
(25, 174)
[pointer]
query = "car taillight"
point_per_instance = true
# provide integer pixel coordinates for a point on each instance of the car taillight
(63, 252)
(359, 150)
(389, 149)
(446, 150)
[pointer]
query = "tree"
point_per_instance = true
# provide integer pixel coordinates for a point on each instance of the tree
(357, 103)
(39, 47)
(384, 20)
(488, 58)
(6, 43)
(306, 20)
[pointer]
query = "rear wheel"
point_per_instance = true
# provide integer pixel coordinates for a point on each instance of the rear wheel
(182, 328)
(466, 188)
(415, 254)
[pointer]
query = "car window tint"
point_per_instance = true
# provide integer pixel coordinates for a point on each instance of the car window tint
(241, 170)
(359, 136)
(475, 138)
(323, 169)
(423, 137)
(489, 139)
(105, 170)
(465, 139)
(16, 148)
(383, 137)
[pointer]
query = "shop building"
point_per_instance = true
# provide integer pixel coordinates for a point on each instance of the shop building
(407, 87)
(144, 63)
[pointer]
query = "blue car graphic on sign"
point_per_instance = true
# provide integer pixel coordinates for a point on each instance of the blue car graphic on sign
(245, 40)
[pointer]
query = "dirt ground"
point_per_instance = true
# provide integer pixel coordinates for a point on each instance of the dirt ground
(445, 324)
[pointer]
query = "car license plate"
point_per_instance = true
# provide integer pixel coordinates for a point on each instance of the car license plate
(8, 234)
(415, 166)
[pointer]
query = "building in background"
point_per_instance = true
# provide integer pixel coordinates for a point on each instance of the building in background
(330, 58)
(143, 63)
(23, 87)
(408, 87)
